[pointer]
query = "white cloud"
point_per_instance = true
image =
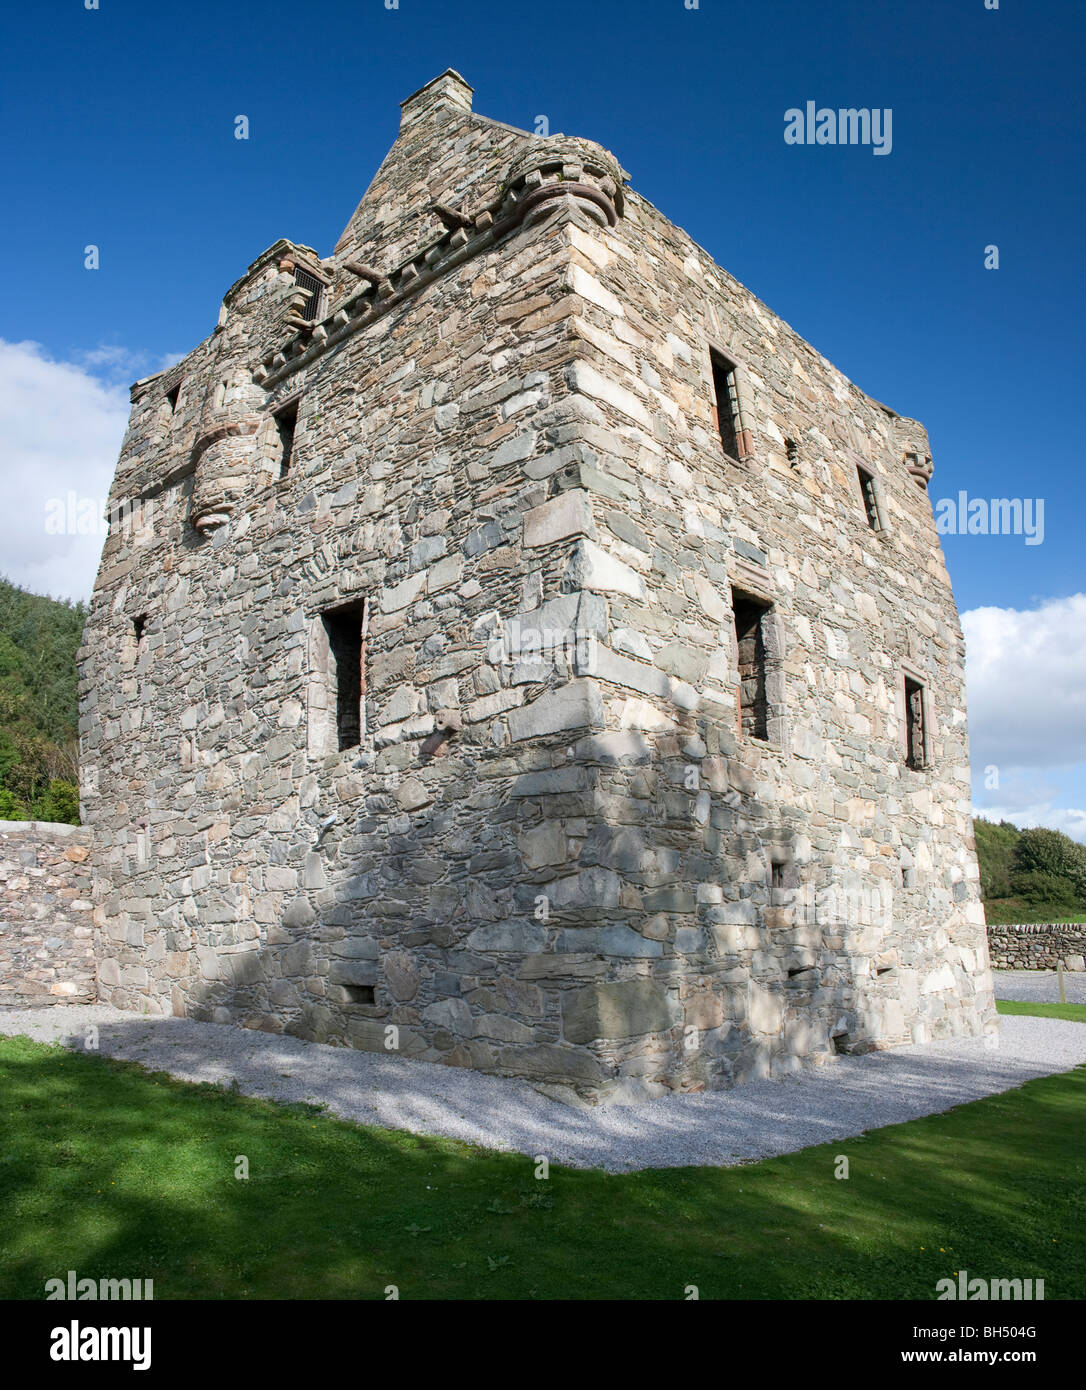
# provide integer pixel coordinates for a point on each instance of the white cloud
(61, 429)
(1071, 821)
(1026, 679)
(120, 366)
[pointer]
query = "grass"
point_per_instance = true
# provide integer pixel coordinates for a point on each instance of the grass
(119, 1173)
(1075, 1012)
(1000, 912)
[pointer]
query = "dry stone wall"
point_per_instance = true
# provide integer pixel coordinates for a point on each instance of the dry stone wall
(555, 852)
(46, 937)
(1037, 947)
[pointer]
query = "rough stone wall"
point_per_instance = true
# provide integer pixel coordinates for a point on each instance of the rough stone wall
(555, 854)
(1037, 947)
(46, 937)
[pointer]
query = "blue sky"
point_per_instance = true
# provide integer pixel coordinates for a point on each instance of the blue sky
(123, 125)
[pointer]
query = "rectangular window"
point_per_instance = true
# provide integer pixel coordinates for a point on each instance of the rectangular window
(139, 629)
(915, 725)
(725, 404)
(305, 281)
(171, 397)
(346, 628)
(361, 994)
(870, 496)
(286, 421)
(748, 613)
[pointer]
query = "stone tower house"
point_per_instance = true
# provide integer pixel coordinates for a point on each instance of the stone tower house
(518, 649)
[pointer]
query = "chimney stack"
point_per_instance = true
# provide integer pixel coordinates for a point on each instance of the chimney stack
(446, 95)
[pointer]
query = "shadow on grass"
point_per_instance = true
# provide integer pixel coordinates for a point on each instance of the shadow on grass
(760, 1118)
(118, 1173)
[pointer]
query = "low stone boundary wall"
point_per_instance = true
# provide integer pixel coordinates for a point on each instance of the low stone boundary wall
(1037, 947)
(46, 931)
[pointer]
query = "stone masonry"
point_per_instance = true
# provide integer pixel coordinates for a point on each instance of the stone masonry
(46, 936)
(1037, 947)
(414, 714)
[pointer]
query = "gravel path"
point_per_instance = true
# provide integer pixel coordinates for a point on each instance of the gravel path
(1039, 986)
(759, 1120)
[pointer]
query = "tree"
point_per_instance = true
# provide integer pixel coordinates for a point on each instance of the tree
(1053, 853)
(995, 856)
(39, 638)
(1048, 891)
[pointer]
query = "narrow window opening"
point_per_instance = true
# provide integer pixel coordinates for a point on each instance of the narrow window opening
(799, 970)
(749, 613)
(361, 994)
(286, 421)
(172, 397)
(776, 875)
(791, 448)
(870, 496)
(914, 724)
(346, 674)
(304, 280)
(139, 630)
(725, 404)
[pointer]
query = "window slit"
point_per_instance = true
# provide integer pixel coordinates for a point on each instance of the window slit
(286, 422)
(915, 729)
(753, 711)
(725, 404)
(347, 687)
(871, 500)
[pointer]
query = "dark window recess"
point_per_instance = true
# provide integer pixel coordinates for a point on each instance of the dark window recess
(361, 994)
(753, 710)
(139, 628)
(305, 281)
(776, 875)
(347, 655)
(286, 421)
(871, 502)
(791, 448)
(171, 397)
(724, 403)
(914, 723)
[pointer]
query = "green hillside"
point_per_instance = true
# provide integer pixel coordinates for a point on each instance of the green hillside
(39, 772)
(1030, 875)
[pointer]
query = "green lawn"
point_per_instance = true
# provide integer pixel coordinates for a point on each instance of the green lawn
(1075, 1012)
(117, 1173)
